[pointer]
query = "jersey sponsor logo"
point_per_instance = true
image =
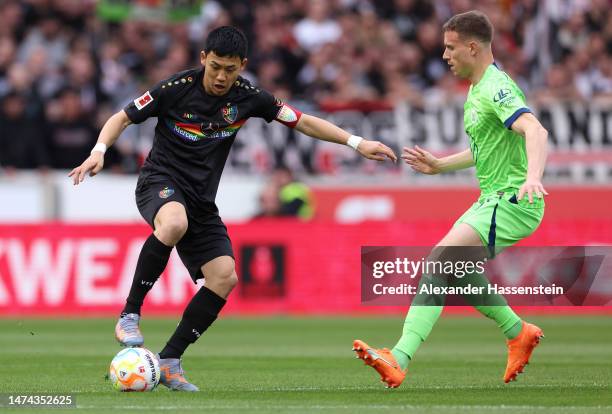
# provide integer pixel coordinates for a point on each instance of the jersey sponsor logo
(197, 132)
(230, 113)
(286, 114)
(143, 101)
(166, 192)
(190, 132)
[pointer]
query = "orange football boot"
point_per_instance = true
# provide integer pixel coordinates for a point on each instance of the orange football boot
(520, 349)
(383, 361)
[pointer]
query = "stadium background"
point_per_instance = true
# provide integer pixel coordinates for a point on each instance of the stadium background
(373, 67)
(67, 254)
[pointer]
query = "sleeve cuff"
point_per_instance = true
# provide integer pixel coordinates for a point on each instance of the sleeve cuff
(508, 122)
(130, 114)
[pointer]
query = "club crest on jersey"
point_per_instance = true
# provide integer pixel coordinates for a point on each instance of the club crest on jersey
(143, 101)
(230, 113)
(166, 192)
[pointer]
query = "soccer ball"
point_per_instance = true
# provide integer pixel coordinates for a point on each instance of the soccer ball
(134, 369)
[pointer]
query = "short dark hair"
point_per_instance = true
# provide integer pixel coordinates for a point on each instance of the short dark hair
(473, 23)
(227, 41)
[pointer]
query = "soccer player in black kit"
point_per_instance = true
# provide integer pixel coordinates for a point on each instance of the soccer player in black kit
(198, 114)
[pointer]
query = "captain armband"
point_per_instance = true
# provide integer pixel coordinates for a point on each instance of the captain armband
(288, 115)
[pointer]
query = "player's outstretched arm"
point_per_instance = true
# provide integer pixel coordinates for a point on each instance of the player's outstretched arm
(536, 143)
(424, 162)
(109, 134)
(326, 131)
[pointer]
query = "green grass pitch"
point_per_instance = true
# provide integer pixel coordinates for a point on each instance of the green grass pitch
(305, 365)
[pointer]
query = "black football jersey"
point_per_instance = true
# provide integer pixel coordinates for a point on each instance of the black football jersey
(195, 131)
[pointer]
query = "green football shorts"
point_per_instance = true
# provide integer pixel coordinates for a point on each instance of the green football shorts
(501, 220)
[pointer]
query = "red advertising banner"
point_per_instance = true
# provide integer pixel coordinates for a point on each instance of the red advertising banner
(353, 205)
(285, 266)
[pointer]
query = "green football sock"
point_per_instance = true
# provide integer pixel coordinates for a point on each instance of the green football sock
(401, 358)
(417, 327)
(508, 321)
(493, 306)
(514, 330)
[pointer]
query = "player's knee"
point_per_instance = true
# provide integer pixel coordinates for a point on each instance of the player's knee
(173, 228)
(220, 275)
(232, 281)
(229, 278)
(225, 279)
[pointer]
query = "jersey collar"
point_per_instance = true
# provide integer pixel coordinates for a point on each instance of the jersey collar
(490, 69)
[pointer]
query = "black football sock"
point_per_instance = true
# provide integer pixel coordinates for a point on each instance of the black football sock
(151, 263)
(198, 316)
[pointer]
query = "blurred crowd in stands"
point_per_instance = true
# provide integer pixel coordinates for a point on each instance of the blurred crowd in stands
(283, 195)
(64, 71)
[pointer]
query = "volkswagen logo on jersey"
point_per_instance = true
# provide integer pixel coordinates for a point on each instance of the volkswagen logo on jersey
(166, 192)
(230, 113)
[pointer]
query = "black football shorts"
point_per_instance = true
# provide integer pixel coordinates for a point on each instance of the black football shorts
(206, 237)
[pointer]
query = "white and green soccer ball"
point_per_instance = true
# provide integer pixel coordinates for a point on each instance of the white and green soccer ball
(134, 369)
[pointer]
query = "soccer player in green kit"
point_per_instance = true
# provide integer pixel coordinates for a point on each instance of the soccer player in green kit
(508, 149)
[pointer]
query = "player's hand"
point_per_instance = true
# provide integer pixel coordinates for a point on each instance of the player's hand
(421, 160)
(532, 187)
(374, 150)
(92, 165)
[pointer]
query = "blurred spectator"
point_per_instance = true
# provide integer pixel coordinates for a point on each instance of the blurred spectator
(559, 87)
(7, 55)
(269, 202)
(22, 143)
(573, 34)
(70, 133)
(601, 78)
(284, 196)
(295, 197)
(49, 36)
(317, 28)
(430, 39)
(406, 15)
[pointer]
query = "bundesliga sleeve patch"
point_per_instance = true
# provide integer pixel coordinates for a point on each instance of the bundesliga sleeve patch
(287, 114)
(504, 97)
(143, 101)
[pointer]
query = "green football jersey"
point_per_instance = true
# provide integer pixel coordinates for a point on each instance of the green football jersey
(492, 106)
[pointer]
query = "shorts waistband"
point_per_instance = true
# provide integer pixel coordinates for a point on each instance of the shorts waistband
(506, 195)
